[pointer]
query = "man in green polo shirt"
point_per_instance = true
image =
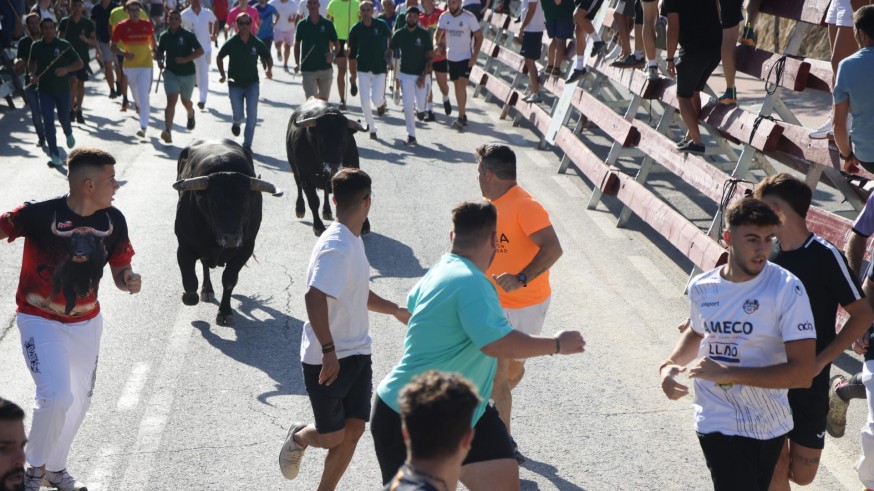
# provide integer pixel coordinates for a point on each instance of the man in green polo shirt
(317, 38)
(417, 51)
(182, 48)
(32, 34)
(243, 51)
(51, 62)
(369, 55)
(79, 31)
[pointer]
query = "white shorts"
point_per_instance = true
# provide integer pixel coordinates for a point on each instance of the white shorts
(840, 13)
(284, 37)
(529, 319)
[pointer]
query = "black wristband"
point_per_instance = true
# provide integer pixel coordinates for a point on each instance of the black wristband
(327, 349)
(848, 157)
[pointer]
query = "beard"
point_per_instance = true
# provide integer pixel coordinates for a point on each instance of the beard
(412, 24)
(13, 473)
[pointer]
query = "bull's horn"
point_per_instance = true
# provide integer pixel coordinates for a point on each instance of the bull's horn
(264, 187)
(307, 123)
(192, 184)
(98, 233)
(55, 230)
(356, 126)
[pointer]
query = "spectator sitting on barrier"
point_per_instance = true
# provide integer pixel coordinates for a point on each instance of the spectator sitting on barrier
(852, 96)
(531, 37)
(695, 25)
(436, 411)
(631, 14)
(842, 43)
(12, 441)
(559, 19)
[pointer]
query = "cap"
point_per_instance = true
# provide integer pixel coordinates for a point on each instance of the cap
(133, 2)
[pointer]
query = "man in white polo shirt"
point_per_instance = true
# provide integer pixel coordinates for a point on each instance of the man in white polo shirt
(455, 27)
(200, 20)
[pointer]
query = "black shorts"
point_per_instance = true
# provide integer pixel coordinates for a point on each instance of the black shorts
(341, 53)
(590, 6)
(156, 10)
(222, 23)
(532, 45)
(477, 10)
(809, 411)
(738, 462)
(490, 441)
(562, 29)
(441, 66)
(638, 13)
(458, 69)
(731, 12)
(348, 397)
(81, 74)
(693, 70)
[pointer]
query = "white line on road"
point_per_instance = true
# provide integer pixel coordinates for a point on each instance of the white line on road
(570, 188)
(130, 395)
(665, 287)
(102, 469)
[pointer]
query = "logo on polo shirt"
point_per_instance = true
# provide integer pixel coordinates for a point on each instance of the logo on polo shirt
(181, 42)
(751, 306)
(254, 51)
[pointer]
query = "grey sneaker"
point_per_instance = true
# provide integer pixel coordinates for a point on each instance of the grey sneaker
(33, 478)
(836, 421)
(291, 453)
(652, 72)
(533, 98)
(63, 481)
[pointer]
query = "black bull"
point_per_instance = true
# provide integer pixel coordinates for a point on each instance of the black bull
(319, 141)
(82, 270)
(217, 218)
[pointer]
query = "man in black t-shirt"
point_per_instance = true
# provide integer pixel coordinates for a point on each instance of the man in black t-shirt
(695, 24)
(68, 242)
(436, 413)
(100, 16)
(829, 282)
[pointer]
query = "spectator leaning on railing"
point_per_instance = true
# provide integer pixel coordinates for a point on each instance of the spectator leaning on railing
(852, 95)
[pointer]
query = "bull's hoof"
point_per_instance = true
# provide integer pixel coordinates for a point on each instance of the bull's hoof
(225, 319)
(190, 298)
(327, 215)
(299, 213)
(318, 231)
(206, 296)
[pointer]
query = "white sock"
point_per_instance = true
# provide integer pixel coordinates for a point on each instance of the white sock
(638, 54)
(594, 37)
(580, 62)
(650, 63)
(430, 107)
(445, 98)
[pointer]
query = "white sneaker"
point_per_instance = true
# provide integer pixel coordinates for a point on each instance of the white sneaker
(291, 453)
(824, 130)
(63, 481)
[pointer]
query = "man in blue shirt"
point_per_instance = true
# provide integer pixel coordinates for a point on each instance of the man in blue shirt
(852, 95)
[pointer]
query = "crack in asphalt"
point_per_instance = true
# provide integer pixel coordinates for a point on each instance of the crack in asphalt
(7, 329)
(288, 296)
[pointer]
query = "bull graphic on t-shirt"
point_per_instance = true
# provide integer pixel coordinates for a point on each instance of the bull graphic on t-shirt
(81, 271)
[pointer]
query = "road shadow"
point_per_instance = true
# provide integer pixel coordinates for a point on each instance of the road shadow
(270, 345)
(848, 364)
(375, 155)
(270, 161)
(550, 473)
(391, 258)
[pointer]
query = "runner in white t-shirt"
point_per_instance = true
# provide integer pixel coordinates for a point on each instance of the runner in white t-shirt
(455, 28)
(335, 346)
(283, 30)
(752, 337)
(531, 37)
(201, 21)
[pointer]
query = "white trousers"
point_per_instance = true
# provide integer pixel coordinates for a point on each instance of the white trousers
(372, 88)
(62, 359)
(140, 82)
(414, 98)
(201, 73)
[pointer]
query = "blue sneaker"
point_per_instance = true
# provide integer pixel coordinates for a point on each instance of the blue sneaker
(71, 142)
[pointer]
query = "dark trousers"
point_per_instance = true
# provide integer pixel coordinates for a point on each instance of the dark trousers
(47, 104)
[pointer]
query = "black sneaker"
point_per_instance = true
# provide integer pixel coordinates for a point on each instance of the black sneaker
(691, 147)
(342, 105)
(411, 141)
(373, 136)
(598, 47)
(41, 142)
(190, 124)
(79, 118)
(235, 129)
(113, 94)
(447, 107)
(575, 75)
(458, 124)
(381, 109)
(72, 116)
(354, 90)
(429, 116)
(420, 115)
(464, 120)
(201, 105)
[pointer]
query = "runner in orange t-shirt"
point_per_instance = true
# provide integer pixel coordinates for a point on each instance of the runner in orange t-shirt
(440, 66)
(527, 248)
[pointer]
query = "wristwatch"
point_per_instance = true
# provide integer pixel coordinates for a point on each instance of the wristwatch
(522, 279)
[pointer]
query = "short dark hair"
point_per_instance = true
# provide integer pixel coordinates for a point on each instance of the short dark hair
(787, 188)
(175, 11)
(437, 409)
(47, 19)
(473, 222)
(84, 158)
(750, 211)
(243, 15)
(863, 19)
(500, 159)
(350, 186)
(9, 411)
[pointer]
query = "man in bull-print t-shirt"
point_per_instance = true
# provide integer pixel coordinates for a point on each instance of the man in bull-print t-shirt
(68, 241)
(752, 337)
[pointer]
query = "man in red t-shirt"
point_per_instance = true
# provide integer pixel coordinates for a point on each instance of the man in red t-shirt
(67, 243)
(244, 7)
(428, 20)
(220, 9)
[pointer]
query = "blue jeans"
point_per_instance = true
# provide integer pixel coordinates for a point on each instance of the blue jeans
(35, 114)
(47, 104)
(250, 95)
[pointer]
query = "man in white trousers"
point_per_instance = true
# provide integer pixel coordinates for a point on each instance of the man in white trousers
(368, 55)
(200, 20)
(417, 52)
(73, 238)
(138, 38)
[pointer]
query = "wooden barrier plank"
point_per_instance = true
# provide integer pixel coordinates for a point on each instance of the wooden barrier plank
(796, 143)
(602, 115)
(695, 244)
(534, 114)
(635, 81)
(758, 63)
(809, 11)
(587, 161)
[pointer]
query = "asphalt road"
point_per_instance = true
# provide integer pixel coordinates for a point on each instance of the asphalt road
(182, 403)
